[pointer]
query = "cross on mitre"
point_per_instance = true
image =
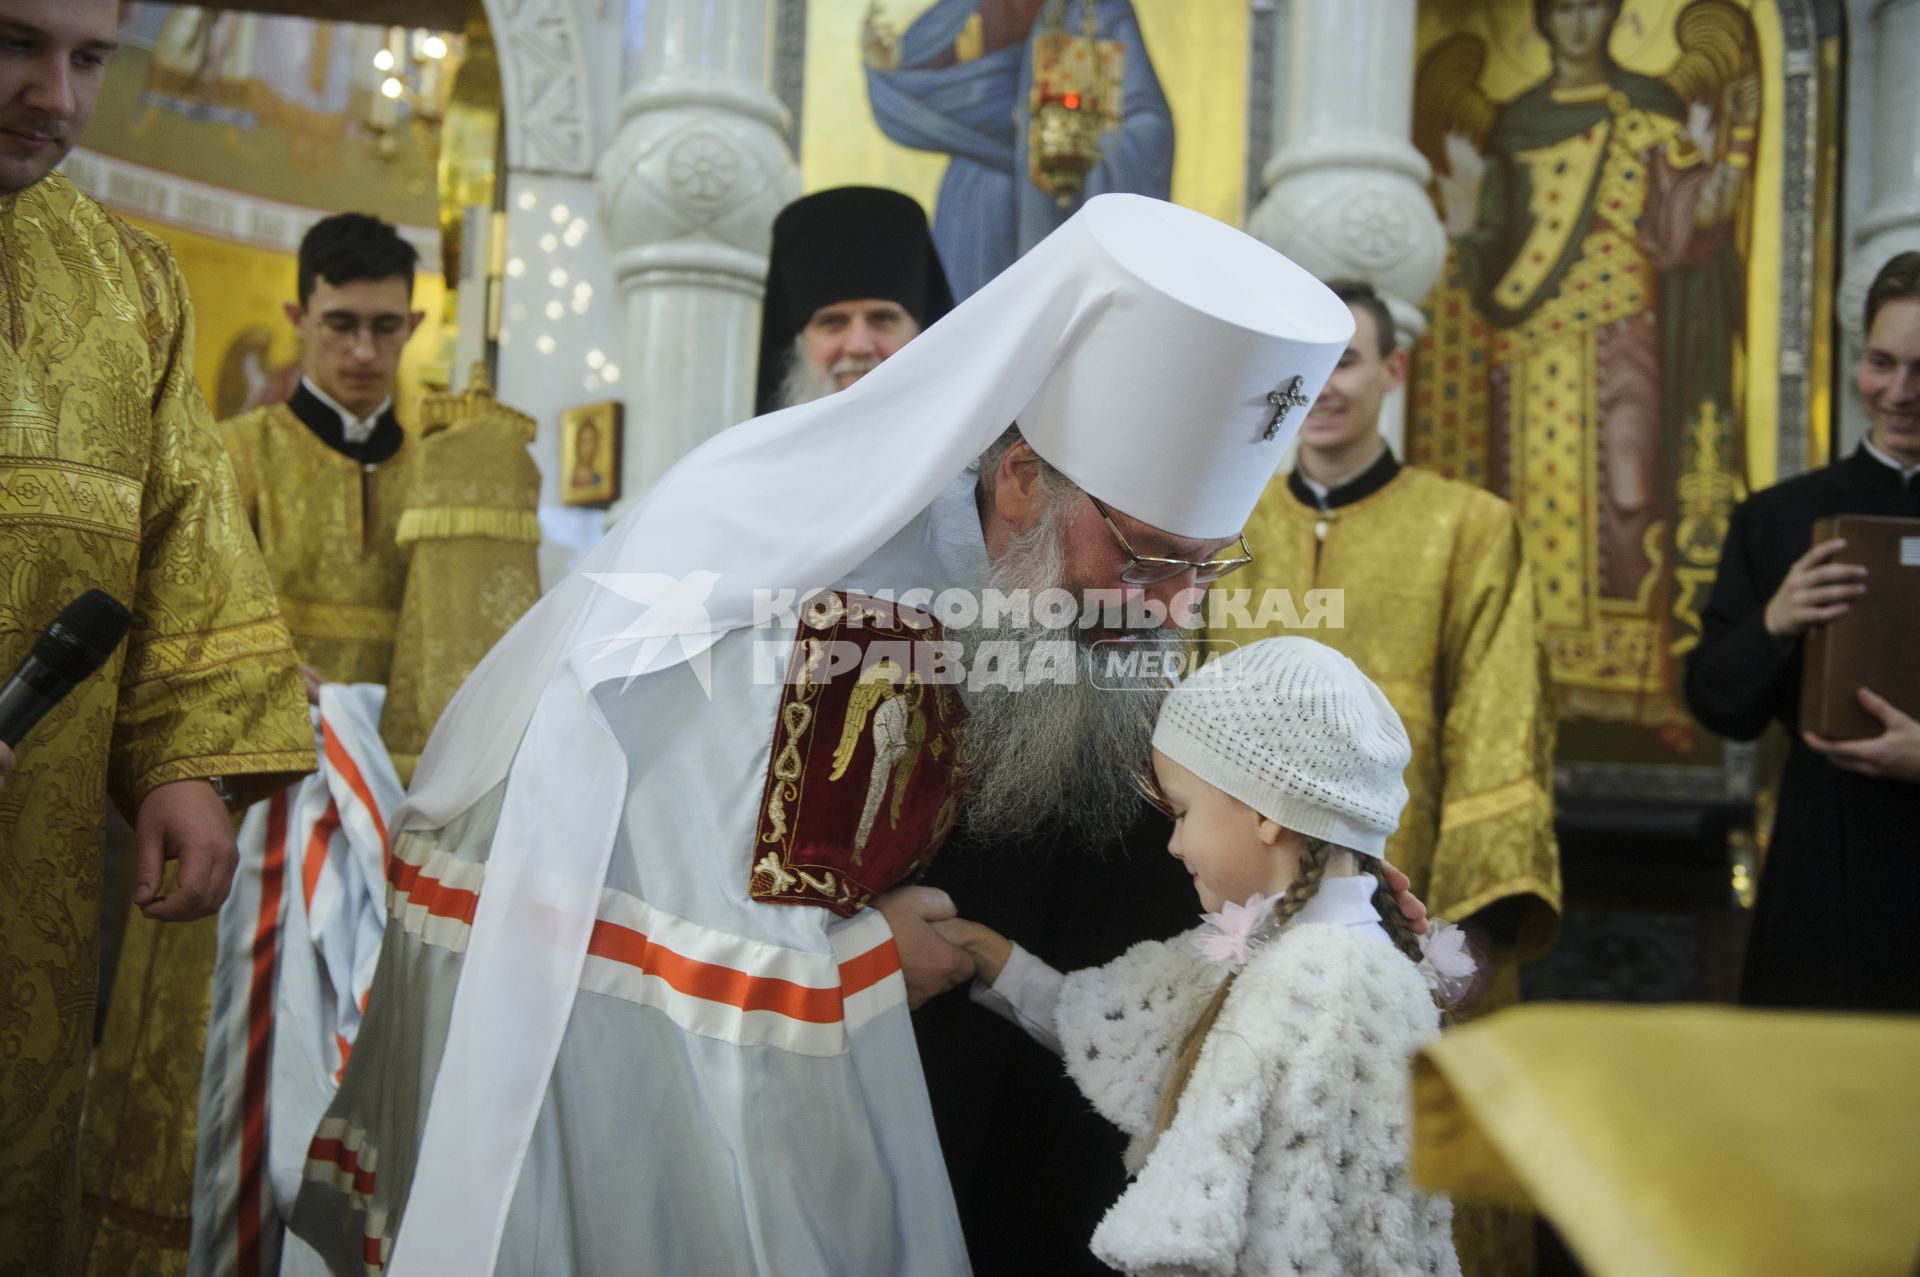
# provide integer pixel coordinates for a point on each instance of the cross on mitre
(1284, 400)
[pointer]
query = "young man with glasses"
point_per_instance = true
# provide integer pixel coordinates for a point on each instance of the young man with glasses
(324, 476)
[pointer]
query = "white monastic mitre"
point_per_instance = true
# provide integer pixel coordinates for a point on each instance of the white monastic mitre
(1177, 398)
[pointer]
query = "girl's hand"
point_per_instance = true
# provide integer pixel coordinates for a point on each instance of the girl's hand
(987, 947)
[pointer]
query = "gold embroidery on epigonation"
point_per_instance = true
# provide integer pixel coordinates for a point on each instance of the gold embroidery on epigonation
(887, 705)
(876, 696)
(795, 717)
(776, 818)
(776, 871)
(915, 695)
(825, 611)
(828, 884)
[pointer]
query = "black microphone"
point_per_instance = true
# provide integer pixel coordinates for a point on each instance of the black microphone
(78, 642)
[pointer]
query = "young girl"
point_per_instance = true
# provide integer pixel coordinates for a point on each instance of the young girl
(1260, 1063)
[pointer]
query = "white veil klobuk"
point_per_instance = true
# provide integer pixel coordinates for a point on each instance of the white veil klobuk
(1159, 358)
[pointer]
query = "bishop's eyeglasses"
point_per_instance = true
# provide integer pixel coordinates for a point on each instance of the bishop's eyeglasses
(1148, 569)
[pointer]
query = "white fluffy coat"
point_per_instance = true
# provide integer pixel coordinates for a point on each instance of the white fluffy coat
(1288, 1153)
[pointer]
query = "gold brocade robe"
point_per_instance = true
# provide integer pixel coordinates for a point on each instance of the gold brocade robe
(111, 476)
(326, 525)
(1438, 609)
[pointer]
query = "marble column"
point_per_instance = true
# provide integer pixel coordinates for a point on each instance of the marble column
(1346, 190)
(1883, 172)
(688, 191)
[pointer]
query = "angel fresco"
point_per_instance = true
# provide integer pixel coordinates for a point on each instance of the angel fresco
(1582, 354)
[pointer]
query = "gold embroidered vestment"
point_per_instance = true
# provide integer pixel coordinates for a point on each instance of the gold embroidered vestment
(1438, 609)
(327, 528)
(112, 475)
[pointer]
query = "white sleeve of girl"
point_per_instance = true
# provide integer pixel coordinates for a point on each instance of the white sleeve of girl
(1120, 1025)
(1026, 993)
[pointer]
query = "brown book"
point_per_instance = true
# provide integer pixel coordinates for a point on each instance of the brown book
(1877, 643)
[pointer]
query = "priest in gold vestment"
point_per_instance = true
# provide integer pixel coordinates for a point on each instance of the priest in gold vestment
(112, 476)
(1437, 607)
(324, 481)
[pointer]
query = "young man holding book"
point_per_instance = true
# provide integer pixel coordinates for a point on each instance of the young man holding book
(1831, 926)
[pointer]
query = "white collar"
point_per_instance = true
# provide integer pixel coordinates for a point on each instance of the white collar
(1886, 459)
(1346, 901)
(355, 429)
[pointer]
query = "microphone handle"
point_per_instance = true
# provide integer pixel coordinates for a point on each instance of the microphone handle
(34, 689)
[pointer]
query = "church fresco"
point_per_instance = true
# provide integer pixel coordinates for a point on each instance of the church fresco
(287, 109)
(1003, 116)
(1598, 347)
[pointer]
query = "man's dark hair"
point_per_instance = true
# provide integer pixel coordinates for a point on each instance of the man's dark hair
(1897, 281)
(349, 247)
(1358, 293)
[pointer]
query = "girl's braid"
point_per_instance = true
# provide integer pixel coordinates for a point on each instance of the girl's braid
(1315, 855)
(1398, 929)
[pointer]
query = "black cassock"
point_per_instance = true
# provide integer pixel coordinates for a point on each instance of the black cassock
(1833, 925)
(1033, 1166)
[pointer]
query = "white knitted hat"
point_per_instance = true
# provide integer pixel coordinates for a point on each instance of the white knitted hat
(1293, 729)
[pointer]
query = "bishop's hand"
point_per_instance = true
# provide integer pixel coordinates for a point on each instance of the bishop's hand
(930, 962)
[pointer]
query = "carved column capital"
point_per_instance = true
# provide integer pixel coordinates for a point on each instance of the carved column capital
(694, 188)
(1346, 190)
(1347, 221)
(543, 73)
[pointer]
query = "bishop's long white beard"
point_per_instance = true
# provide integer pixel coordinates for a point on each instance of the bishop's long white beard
(1055, 754)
